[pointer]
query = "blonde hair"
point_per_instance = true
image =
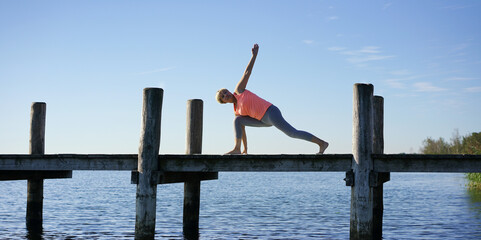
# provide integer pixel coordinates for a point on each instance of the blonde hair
(217, 95)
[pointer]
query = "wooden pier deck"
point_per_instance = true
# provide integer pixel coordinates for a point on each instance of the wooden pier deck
(367, 168)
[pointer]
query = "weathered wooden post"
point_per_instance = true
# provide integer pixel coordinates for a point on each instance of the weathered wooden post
(379, 178)
(148, 164)
(378, 128)
(35, 186)
(192, 186)
(361, 193)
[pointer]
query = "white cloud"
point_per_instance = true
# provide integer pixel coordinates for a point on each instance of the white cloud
(157, 70)
(395, 83)
(336, 49)
(400, 72)
(363, 55)
(473, 89)
(460, 61)
(369, 49)
(413, 77)
(363, 59)
(399, 82)
(387, 5)
(460, 47)
(455, 7)
(332, 18)
(308, 41)
(427, 87)
(460, 79)
(363, 51)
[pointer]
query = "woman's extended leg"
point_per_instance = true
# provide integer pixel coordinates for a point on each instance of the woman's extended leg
(274, 117)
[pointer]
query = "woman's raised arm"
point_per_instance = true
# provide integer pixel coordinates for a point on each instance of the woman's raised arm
(241, 85)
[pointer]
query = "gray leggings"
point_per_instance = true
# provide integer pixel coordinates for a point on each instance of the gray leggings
(272, 117)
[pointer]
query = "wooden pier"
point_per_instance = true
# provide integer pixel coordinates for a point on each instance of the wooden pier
(367, 168)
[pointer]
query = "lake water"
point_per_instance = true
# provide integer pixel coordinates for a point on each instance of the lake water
(101, 205)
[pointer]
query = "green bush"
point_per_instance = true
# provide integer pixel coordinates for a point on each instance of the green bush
(474, 180)
(470, 144)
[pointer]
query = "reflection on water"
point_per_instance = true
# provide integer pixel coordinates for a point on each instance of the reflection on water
(101, 205)
(475, 204)
(475, 196)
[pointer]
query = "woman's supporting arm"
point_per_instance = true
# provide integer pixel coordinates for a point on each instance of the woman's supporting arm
(241, 85)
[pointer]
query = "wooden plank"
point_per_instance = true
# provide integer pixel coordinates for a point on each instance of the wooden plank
(426, 163)
(181, 163)
(48, 162)
(178, 177)
(243, 163)
(24, 175)
(256, 163)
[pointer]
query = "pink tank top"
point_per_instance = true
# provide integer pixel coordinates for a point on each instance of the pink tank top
(249, 104)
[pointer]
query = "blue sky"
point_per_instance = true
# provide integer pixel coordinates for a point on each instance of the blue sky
(90, 60)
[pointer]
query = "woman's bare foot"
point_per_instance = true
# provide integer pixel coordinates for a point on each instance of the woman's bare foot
(234, 152)
(322, 147)
(322, 144)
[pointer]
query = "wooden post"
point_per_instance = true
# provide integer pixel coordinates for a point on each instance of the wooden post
(378, 148)
(192, 185)
(378, 132)
(361, 193)
(148, 164)
(35, 186)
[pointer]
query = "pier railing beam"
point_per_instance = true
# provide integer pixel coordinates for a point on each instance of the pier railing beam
(361, 224)
(34, 216)
(148, 176)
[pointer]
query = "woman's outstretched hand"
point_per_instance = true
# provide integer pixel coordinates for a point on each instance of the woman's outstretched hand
(255, 49)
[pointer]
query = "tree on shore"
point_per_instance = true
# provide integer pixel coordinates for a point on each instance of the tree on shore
(469, 144)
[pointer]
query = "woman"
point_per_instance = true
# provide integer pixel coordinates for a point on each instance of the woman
(251, 110)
